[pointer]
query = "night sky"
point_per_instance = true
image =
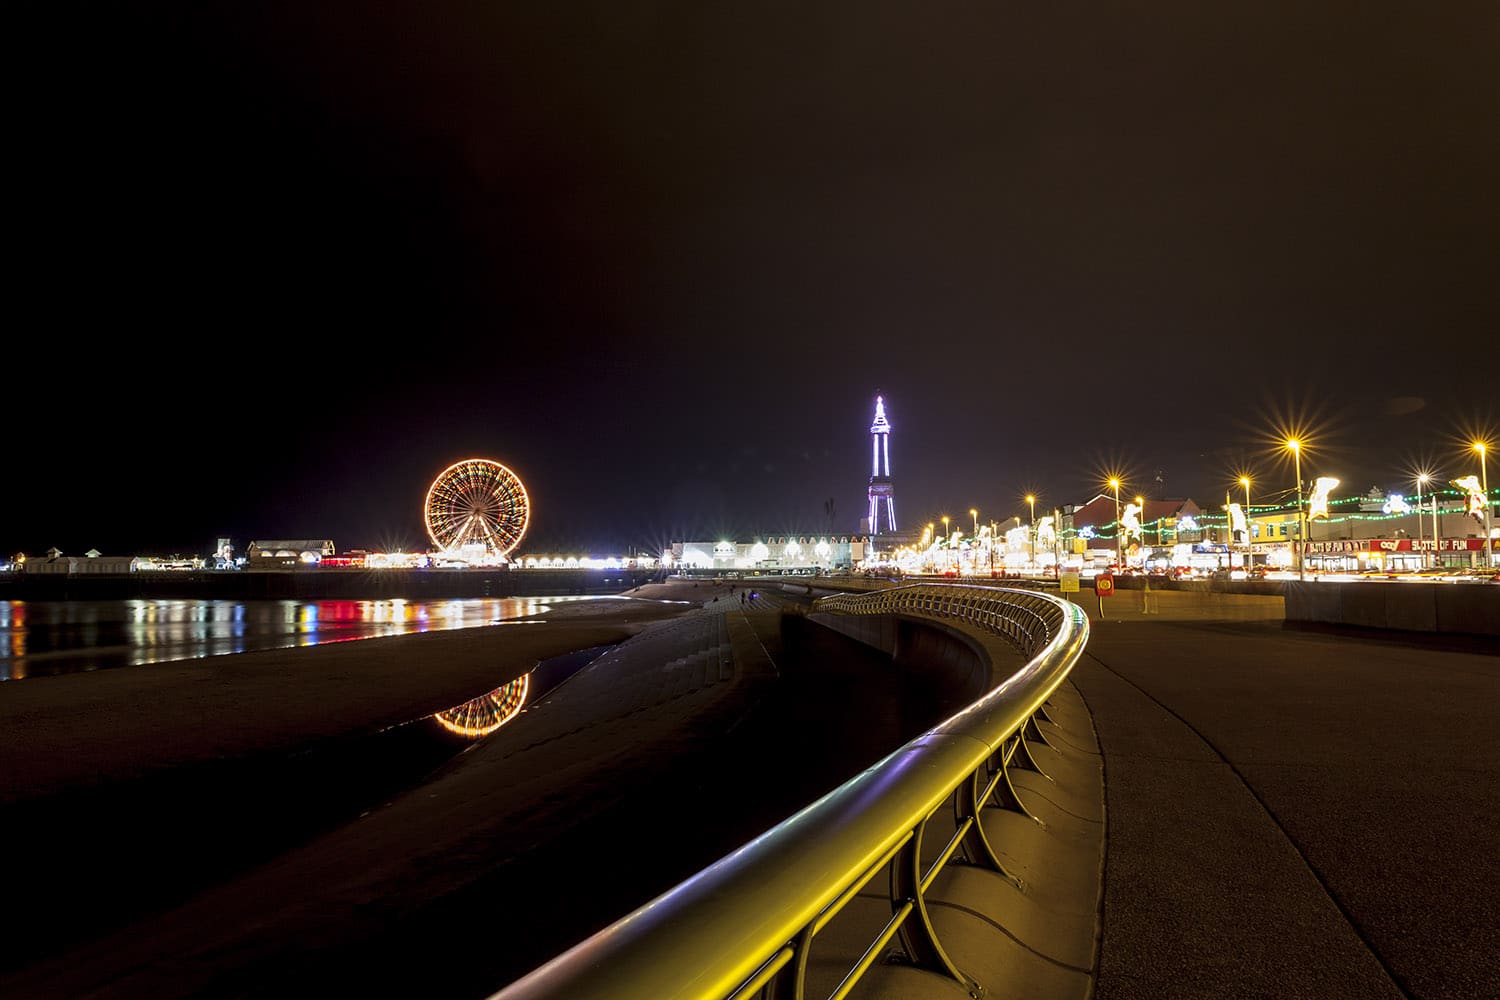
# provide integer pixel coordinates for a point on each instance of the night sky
(276, 265)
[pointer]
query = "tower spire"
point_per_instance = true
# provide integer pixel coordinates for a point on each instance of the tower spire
(880, 471)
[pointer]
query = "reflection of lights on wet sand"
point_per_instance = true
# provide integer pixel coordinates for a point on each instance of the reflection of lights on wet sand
(487, 713)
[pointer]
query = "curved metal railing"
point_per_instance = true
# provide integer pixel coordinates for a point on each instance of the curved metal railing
(744, 926)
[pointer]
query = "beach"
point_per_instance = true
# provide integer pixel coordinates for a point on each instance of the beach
(537, 834)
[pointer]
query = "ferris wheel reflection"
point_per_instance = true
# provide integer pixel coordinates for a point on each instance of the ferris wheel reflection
(478, 717)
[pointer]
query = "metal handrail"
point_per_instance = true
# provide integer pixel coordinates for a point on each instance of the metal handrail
(745, 924)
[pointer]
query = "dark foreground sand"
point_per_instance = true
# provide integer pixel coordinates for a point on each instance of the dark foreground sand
(61, 733)
(651, 769)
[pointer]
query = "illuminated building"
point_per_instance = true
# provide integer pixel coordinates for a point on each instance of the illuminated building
(770, 554)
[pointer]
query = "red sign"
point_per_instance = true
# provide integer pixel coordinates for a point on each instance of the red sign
(1351, 545)
(1104, 585)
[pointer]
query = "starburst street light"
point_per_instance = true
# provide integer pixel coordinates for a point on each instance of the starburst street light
(1421, 480)
(1114, 484)
(1031, 502)
(1484, 484)
(1249, 545)
(1295, 447)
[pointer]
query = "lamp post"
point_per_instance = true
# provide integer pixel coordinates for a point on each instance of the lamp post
(1421, 535)
(1114, 484)
(1484, 484)
(1031, 502)
(1141, 503)
(1249, 546)
(1056, 543)
(945, 540)
(1296, 447)
(975, 515)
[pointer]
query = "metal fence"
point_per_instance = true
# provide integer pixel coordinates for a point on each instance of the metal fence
(744, 927)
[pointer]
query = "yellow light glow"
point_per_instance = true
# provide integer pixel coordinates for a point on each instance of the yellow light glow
(1030, 498)
(1479, 447)
(1293, 444)
(1114, 483)
(1245, 481)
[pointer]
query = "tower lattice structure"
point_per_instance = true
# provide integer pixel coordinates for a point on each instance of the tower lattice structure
(881, 490)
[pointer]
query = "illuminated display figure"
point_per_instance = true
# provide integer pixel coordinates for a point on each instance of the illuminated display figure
(1470, 485)
(477, 504)
(881, 490)
(1130, 521)
(1317, 504)
(1046, 535)
(1237, 525)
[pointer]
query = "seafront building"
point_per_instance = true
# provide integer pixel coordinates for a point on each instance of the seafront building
(771, 554)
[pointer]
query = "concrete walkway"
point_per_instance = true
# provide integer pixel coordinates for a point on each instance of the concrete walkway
(1293, 813)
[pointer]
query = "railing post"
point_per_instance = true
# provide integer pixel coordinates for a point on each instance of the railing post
(968, 802)
(918, 937)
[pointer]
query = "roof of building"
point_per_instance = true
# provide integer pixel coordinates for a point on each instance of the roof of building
(295, 544)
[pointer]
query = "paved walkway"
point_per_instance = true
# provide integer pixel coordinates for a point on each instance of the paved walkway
(1294, 813)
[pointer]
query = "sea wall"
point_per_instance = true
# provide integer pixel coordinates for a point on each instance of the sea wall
(1464, 608)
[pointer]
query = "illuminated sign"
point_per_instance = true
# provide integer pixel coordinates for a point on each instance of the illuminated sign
(1186, 523)
(1358, 545)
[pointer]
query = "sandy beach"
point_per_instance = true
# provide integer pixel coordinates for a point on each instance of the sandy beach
(592, 777)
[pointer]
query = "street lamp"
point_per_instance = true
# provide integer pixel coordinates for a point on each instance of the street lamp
(945, 540)
(1056, 542)
(1484, 484)
(1249, 545)
(1031, 502)
(1421, 535)
(975, 515)
(1114, 484)
(1296, 448)
(1141, 503)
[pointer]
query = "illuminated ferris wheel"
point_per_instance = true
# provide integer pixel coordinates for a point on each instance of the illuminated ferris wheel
(477, 502)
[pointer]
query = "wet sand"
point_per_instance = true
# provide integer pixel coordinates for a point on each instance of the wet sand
(535, 838)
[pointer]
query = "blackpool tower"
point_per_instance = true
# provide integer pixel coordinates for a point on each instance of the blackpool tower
(881, 491)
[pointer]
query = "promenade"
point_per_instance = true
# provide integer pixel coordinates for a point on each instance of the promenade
(1289, 812)
(1293, 813)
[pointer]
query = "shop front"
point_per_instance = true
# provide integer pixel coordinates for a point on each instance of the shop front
(1391, 555)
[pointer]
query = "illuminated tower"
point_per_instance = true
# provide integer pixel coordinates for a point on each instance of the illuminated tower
(880, 471)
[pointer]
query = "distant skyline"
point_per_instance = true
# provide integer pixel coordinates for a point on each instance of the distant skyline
(280, 265)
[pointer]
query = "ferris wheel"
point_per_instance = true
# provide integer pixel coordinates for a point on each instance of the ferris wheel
(487, 713)
(477, 502)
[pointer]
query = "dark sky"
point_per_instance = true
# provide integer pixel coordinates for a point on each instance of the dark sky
(275, 265)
